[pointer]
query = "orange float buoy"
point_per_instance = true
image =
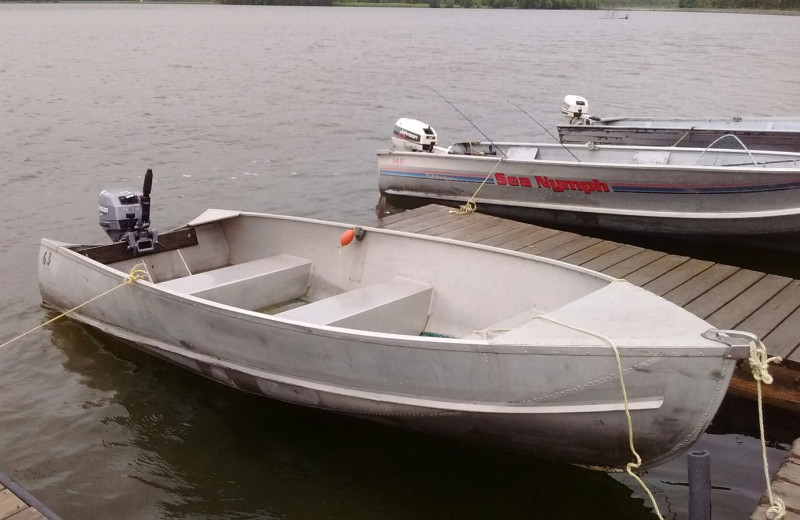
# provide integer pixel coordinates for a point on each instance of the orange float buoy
(347, 237)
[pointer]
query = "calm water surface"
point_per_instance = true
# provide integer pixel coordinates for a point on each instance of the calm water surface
(281, 110)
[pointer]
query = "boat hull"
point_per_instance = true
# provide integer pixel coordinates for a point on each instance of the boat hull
(734, 205)
(560, 400)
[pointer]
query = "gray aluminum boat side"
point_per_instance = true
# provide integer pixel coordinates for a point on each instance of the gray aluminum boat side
(523, 383)
(671, 191)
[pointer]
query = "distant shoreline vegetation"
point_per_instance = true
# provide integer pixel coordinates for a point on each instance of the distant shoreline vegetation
(496, 4)
(744, 6)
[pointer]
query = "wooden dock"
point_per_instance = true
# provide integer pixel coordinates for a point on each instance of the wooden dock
(786, 485)
(726, 296)
(17, 504)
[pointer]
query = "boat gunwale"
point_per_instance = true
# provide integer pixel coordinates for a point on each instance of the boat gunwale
(743, 120)
(620, 166)
(398, 340)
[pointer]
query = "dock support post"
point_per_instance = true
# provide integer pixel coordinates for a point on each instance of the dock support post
(699, 467)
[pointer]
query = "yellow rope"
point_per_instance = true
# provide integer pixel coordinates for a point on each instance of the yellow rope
(759, 365)
(184, 262)
(631, 465)
(469, 206)
(135, 274)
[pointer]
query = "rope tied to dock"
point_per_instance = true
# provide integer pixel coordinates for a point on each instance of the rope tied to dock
(638, 462)
(137, 272)
(759, 366)
(470, 206)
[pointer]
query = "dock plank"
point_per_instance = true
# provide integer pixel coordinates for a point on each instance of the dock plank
(748, 302)
(784, 339)
(722, 293)
(422, 223)
(699, 284)
(785, 484)
(455, 222)
(485, 234)
(613, 257)
(782, 393)
(470, 228)
(533, 236)
(573, 246)
(507, 236)
(773, 312)
(678, 276)
(591, 252)
(28, 514)
(654, 270)
(542, 246)
(633, 263)
(395, 219)
(10, 504)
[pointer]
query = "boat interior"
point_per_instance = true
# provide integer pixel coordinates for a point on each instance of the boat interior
(727, 153)
(751, 124)
(389, 282)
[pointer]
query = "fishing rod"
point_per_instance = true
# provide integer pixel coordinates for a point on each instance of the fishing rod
(545, 129)
(468, 121)
(470, 206)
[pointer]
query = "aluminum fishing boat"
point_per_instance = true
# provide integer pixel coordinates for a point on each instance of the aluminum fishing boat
(708, 194)
(469, 341)
(758, 133)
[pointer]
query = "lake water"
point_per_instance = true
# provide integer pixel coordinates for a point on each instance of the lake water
(281, 109)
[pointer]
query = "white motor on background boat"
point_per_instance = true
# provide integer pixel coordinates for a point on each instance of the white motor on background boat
(413, 135)
(576, 110)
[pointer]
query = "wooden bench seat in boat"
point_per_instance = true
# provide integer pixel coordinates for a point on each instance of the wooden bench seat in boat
(395, 306)
(250, 285)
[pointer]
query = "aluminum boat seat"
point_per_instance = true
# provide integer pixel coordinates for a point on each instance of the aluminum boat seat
(506, 324)
(651, 157)
(396, 306)
(522, 153)
(250, 285)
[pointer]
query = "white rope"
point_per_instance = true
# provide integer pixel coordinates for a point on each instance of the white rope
(470, 206)
(759, 365)
(184, 262)
(134, 275)
(631, 465)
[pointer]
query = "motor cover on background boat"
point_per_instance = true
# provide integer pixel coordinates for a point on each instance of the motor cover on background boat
(576, 109)
(413, 135)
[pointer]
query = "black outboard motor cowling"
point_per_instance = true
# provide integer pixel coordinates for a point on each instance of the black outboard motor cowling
(125, 216)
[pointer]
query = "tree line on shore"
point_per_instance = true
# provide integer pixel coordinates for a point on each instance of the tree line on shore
(782, 5)
(785, 5)
(497, 4)
(759, 5)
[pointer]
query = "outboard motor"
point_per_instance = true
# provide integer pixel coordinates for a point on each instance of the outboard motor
(413, 135)
(125, 216)
(576, 109)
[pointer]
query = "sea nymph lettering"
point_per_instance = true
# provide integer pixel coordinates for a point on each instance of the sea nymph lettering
(559, 185)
